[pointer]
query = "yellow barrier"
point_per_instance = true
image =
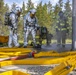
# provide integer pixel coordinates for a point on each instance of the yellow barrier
(13, 73)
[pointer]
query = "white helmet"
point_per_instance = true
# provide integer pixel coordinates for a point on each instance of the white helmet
(17, 9)
(33, 11)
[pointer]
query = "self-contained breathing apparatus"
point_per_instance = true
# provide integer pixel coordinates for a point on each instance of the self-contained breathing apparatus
(7, 20)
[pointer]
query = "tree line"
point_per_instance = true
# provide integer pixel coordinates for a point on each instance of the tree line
(46, 14)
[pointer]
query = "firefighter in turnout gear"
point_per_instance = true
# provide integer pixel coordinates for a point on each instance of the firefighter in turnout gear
(13, 38)
(30, 26)
(62, 28)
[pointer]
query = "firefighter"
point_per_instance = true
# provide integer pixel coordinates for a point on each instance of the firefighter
(13, 38)
(62, 28)
(30, 26)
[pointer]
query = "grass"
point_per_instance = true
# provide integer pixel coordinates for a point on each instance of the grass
(68, 41)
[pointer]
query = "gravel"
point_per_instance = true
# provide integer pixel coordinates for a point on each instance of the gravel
(31, 69)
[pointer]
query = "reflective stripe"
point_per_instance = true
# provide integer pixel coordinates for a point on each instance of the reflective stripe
(67, 22)
(56, 27)
(61, 24)
(37, 36)
(63, 29)
(57, 21)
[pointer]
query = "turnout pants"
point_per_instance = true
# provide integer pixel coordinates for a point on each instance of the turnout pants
(13, 38)
(61, 37)
(26, 34)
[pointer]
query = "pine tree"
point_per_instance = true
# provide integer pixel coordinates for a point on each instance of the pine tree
(23, 9)
(30, 5)
(2, 12)
(68, 14)
(13, 6)
(60, 4)
(6, 8)
(49, 7)
(68, 10)
(56, 9)
(39, 13)
(44, 18)
(5, 28)
(51, 15)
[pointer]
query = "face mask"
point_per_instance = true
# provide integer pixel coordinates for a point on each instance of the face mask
(18, 14)
(32, 15)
